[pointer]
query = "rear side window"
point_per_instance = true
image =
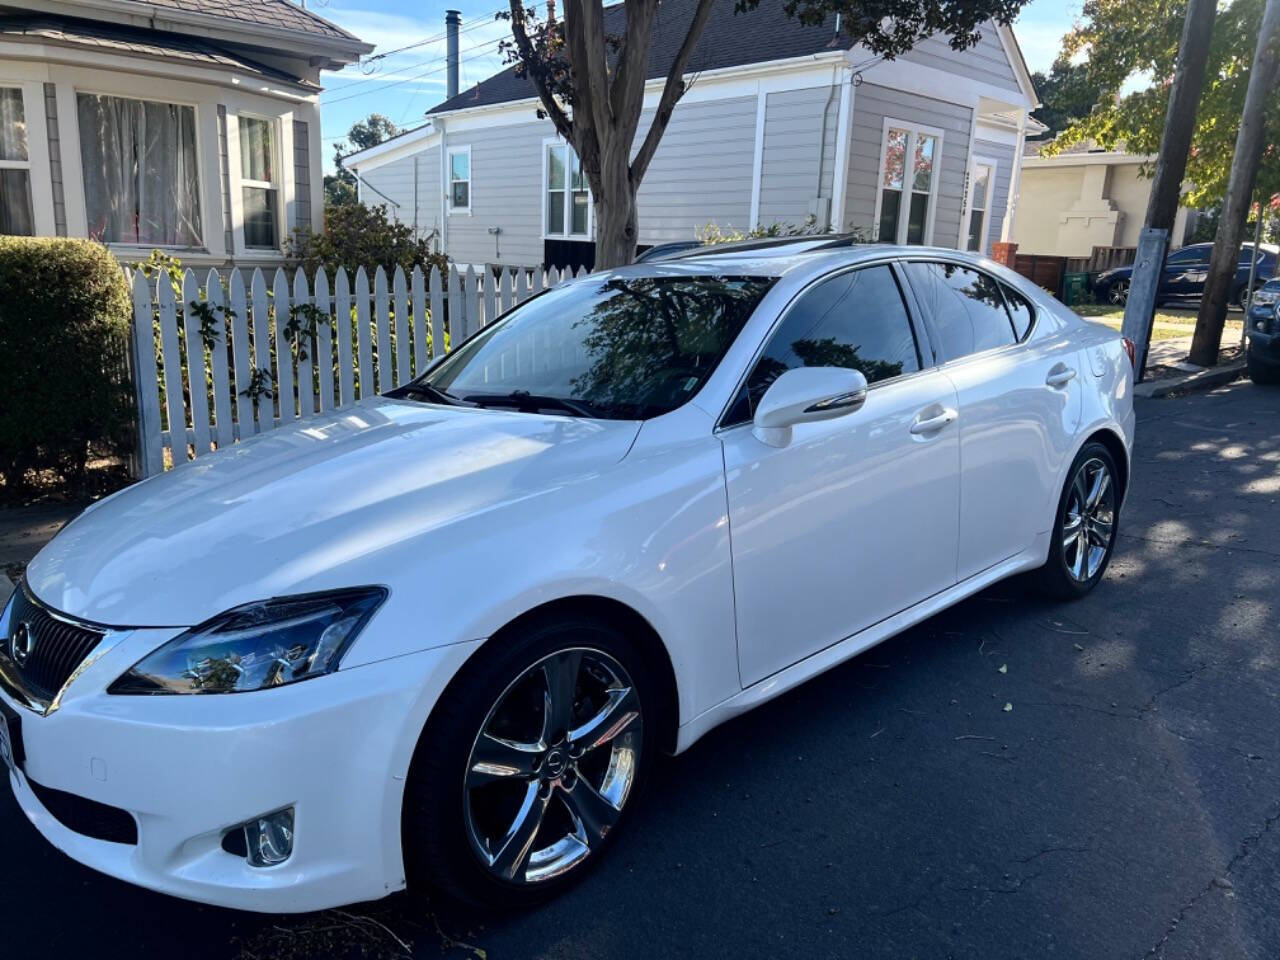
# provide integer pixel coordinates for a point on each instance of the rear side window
(1020, 310)
(966, 306)
(856, 319)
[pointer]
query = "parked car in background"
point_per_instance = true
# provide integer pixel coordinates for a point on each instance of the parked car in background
(1185, 271)
(1263, 328)
(438, 636)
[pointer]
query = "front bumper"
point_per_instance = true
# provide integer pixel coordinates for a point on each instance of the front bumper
(189, 767)
(1265, 346)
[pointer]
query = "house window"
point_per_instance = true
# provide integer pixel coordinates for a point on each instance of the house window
(980, 184)
(460, 180)
(908, 183)
(568, 198)
(141, 178)
(15, 167)
(258, 184)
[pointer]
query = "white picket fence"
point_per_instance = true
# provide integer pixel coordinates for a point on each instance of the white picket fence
(228, 359)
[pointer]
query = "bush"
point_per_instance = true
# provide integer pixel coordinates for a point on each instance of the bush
(64, 341)
(359, 236)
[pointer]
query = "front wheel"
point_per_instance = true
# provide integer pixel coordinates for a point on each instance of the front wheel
(1261, 372)
(1118, 293)
(1084, 531)
(530, 764)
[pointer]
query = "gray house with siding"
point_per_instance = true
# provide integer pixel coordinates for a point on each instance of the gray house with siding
(782, 123)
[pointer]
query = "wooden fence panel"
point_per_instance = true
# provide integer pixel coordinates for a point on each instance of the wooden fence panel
(490, 297)
(197, 372)
(362, 334)
(504, 291)
(471, 304)
(342, 319)
(171, 358)
(146, 379)
(224, 429)
(383, 358)
(305, 347)
(455, 322)
(418, 293)
(285, 407)
(245, 422)
(324, 342)
(400, 296)
(437, 313)
(264, 384)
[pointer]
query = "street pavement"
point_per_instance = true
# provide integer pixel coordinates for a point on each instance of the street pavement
(1014, 778)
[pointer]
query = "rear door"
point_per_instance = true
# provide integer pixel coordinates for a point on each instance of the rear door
(1019, 401)
(856, 518)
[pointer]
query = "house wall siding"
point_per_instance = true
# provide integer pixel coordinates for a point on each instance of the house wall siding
(985, 61)
(872, 104)
(701, 172)
(506, 194)
(799, 154)
(302, 174)
(55, 159)
(1004, 155)
(397, 181)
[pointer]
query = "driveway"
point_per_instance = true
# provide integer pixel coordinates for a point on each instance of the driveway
(1013, 778)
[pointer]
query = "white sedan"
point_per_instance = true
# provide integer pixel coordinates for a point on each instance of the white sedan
(439, 637)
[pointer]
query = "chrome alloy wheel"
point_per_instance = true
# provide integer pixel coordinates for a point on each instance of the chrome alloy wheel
(1119, 293)
(1089, 523)
(552, 766)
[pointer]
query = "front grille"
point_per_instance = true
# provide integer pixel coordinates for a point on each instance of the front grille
(87, 817)
(54, 647)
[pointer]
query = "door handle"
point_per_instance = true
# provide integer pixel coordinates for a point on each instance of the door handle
(1060, 376)
(933, 424)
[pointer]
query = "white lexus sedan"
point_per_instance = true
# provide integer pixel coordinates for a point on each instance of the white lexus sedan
(438, 637)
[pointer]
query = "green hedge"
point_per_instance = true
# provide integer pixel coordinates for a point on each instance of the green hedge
(64, 335)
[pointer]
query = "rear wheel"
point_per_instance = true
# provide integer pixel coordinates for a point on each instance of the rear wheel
(530, 764)
(1084, 532)
(1261, 372)
(1118, 293)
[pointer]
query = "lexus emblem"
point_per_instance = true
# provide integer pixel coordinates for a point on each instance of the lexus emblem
(22, 643)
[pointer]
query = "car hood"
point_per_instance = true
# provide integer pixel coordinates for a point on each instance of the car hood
(305, 506)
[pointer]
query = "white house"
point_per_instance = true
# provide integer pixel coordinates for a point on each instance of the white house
(782, 122)
(190, 125)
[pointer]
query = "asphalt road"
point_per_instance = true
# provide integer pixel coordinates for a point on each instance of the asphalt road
(1126, 806)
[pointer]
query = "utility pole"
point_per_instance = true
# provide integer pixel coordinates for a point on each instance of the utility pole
(1171, 166)
(1235, 209)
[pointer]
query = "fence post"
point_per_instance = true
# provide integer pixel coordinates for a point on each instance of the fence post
(172, 360)
(420, 355)
(224, 435)
(145, 381)
(457, 319)
(284, 350)
(306, 349)
(385, 358)
(264, 410)
(342, 318)
(362, 334)
(324, 342)
(401, 298)
(437, 314)
(471, 312)
(240, 356)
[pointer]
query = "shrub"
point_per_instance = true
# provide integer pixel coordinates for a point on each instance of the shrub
(64, 341)
(359, 236)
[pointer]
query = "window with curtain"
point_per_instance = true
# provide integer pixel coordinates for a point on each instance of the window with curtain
(141, 178)
(258, 184)
(568, 197)
(907, 184)
(460, 179)
(15, 166)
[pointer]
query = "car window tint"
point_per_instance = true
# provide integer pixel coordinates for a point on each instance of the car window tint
(966, 306)
(1020, 310)
(857, 320)
(1188, 255)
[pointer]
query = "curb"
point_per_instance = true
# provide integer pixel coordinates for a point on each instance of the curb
(1202, 380)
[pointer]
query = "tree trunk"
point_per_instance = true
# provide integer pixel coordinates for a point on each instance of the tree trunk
(615, 208)
(1171, 164)
(1235, 208)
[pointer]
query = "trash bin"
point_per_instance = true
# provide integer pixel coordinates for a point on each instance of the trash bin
(1075, 288)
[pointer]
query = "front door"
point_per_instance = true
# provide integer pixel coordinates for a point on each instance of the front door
(856, 518)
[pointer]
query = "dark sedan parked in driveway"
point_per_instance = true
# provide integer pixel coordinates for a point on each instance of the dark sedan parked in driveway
(1263, 326)
(1184, 275)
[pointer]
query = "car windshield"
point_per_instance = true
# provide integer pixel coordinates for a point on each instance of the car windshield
(619, 348)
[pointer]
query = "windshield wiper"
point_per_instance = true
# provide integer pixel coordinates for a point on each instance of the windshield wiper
(524, 400)
(429, 393)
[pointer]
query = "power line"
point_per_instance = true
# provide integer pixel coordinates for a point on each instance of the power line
(416, 76)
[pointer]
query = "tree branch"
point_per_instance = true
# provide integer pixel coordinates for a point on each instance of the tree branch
(671, 92)
(626, 93)
(536, 70)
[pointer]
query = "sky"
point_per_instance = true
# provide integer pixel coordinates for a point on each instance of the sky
(404, 83)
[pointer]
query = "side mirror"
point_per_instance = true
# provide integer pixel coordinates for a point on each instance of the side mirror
(804, 395)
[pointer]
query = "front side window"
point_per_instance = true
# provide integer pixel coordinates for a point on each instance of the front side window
(15, 166)
(460, 180)
(1188, 255)
(141, 178)
(908, 184)
(616, 348)
(259, 186)
(568, 200)
(856, 320)
(966, 306)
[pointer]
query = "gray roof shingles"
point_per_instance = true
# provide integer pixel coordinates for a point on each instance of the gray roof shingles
(267, 13)
(729, 40)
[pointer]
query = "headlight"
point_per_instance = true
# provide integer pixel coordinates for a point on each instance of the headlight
(1265, 297)
(257, 646)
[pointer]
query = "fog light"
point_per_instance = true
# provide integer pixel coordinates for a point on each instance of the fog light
(270, 838)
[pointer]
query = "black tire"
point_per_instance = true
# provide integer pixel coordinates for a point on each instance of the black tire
(1055, 578)
(1261, 372)
(437, 850)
